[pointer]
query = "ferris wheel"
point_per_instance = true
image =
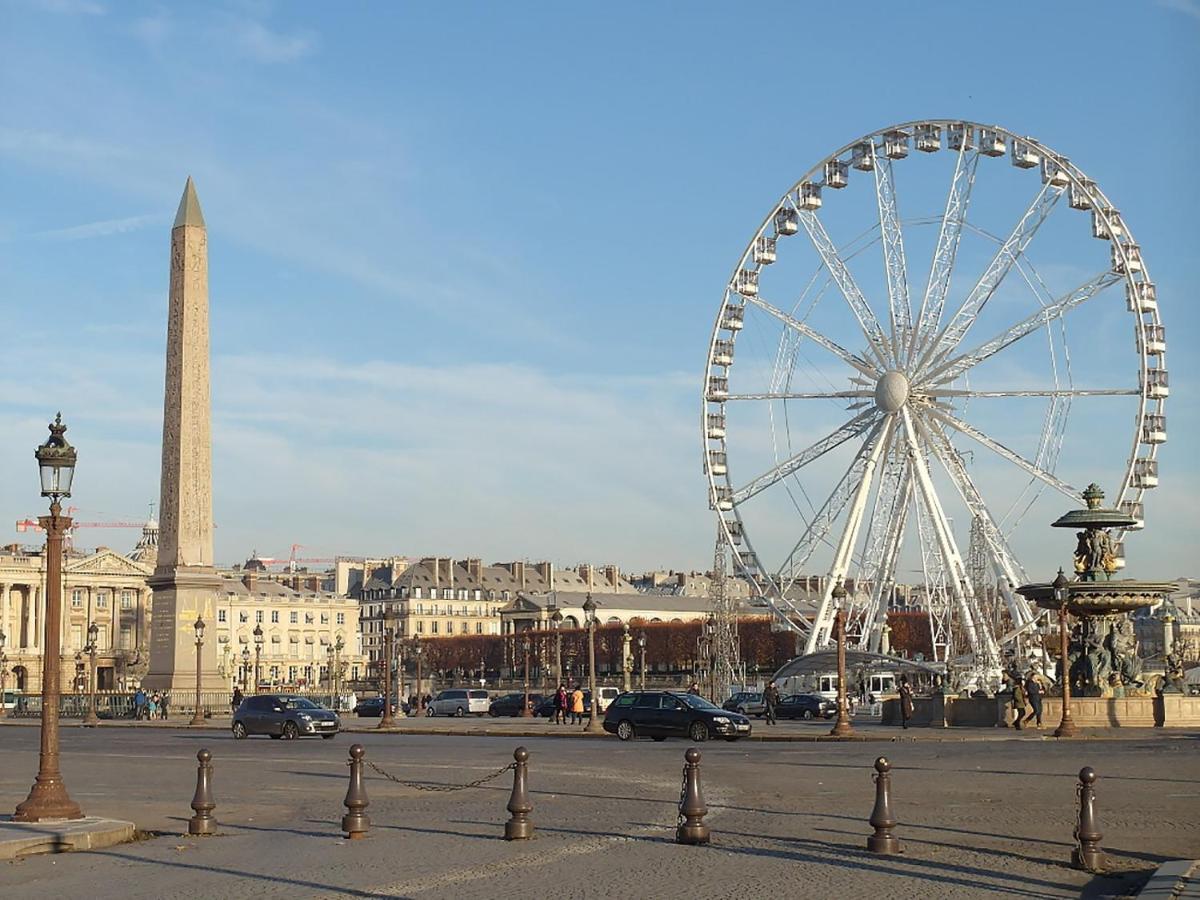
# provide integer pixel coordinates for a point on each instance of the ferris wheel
(905, 381)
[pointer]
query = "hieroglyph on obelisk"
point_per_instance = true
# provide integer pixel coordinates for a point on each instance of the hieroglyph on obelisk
(184, 583)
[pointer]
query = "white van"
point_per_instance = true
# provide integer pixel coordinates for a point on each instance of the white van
(458, 702)
(605, 696)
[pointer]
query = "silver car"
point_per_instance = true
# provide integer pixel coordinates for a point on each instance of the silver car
(748, 703)
(283, 716)
(458, 702)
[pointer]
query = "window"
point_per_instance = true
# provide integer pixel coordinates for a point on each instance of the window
(220, 615)
(77, 598)
(479, 628)
(416, 593)
(463, 628)
(449, 628)
(258, 616)
(308, 618)
(420, 627)
(275, 616)
(294, 618)
(341, 618)
(243, 617)
(126, 637)
(324, 618)
(447, 594)
(126, 599)
(102, 600)
(433, 627)
(77, 636)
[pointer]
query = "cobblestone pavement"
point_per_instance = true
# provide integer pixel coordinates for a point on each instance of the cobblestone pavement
(977, 818)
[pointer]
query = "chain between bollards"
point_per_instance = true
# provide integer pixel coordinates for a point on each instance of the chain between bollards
(1087, 854)
(691, 828)
(203, 823)
(519, 827)
(355, 822)
(882, 820)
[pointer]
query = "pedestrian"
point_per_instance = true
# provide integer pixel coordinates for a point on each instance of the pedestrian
(1033, 691)
(906, 701)
(236, 701)
(577, 705)
(1018, 701)
(770, 701)
(139, 705)
(694, 688)
(560, 705)
(152, 706)
(163, 701)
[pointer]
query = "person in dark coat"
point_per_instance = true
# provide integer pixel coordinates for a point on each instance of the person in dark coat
(1033, 693)
(906, 701)
(770, 701)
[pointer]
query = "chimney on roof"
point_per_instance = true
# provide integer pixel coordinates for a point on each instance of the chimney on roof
(546, 570)
(295, 582)
(612, 575)
(518, 573)
(250, 579)
(313, 583)
(475, 571)
(585, 574)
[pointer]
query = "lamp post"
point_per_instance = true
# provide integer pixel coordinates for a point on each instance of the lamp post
(338, 646)
(93, 632)
(418, 651)
(526, 712)
(589, 610)
(198, 625)
(626, 659)
(48, 798)
(556, 621)
(641, 643)
(1062, 596)
(842, 727)
(710, 633)
(245, 669)
(3, 673)
(258, 642)
(389, 635)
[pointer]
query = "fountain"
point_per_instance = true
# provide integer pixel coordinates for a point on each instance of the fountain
(1105, 671)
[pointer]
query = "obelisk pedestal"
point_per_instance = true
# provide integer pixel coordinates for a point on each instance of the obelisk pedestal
(185, 584)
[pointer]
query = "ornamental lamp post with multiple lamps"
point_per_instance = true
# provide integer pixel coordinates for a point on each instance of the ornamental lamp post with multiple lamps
(198, 626)
(389, 635)
(556, 620)
(245, 669)
(91, 720)
(3, 672)
(842, 727)
(418, 650)
(641, 644)
(1062, 597)
(258, 643)
(526, 712)
(626, 659)
(48, 798)
(589, 610)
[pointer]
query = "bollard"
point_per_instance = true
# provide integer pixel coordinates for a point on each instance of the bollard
(355, 822)
(519, 828)
(883, 840)
(691, 828)
(203, 822)
(1087, 854)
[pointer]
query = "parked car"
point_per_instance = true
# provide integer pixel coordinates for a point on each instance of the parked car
(458, 702)
(604, 697)
(804, 706)
(510, 704)
(663, 714)
(283, 716)
(370, 707)
(748, 703)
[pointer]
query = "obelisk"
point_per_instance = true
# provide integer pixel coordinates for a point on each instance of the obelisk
(185, 584)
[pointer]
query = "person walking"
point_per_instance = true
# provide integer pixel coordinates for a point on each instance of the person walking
(1018, 701)
(560, 705)
(236, 700)
(770, 701)
(906, 701)
(577, 705)
(694, 688)
(1033, 691)
(152, 706)
(163, 702)
(139, 705)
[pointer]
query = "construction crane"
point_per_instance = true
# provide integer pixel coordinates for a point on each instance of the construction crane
(293, 560)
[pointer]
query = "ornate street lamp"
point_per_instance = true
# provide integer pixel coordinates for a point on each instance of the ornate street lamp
(710, 632)
(556, 620)
(842, 727)
(626, 659)
(526, 712)
(418, 650)
(91, 720)
(1062, 597)
(258, 642)
(198, 626)
(245, 668)
(641, 643)
(589, 610)
(389, 634)
(3, 673)
(48, 798)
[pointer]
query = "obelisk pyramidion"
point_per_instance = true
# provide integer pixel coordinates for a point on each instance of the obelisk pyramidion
(184, 583)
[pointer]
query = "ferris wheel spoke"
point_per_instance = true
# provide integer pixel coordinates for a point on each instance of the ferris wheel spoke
(812, 334)
(853, 428)
(819, 526)
(846, 284)
(803, 395)
(884, 537)
(894, 260)
(1085, 392)
(1002, 262)
(953, 368)
(1012, 456)
(946, 251)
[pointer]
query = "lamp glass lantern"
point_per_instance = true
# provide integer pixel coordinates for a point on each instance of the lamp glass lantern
(56, 460)
(641, 641)
(1062, 589)
(589, 609)
(198, 625)
(93, 631)
(258, 635)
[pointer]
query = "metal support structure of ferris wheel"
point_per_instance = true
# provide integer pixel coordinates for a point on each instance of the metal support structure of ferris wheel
(908, 367)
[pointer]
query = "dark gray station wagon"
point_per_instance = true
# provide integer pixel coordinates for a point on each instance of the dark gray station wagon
(283, 716)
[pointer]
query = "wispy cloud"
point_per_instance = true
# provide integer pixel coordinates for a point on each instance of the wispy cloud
(1187, 7)
(103, 228)
(258, 42)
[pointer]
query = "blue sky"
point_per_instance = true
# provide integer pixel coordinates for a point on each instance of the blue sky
(464, 266)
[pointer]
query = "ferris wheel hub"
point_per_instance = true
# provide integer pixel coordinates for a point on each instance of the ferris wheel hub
(891, 391)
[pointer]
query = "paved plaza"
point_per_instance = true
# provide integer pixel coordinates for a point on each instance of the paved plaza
(978, 817)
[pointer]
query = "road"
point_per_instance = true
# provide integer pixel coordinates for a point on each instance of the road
(977, 818)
